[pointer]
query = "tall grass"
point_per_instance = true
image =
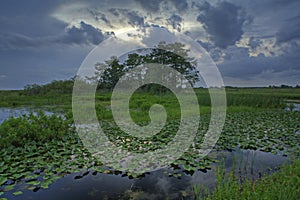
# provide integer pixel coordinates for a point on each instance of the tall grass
(282, 185)
(238, 99)
(17, 98)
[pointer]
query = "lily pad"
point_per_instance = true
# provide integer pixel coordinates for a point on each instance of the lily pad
(17, 193)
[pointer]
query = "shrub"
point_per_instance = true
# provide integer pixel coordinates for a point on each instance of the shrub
(40, 127)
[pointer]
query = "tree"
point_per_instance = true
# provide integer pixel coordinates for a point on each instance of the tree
(176, 56)
(107, 74)
(172, 55)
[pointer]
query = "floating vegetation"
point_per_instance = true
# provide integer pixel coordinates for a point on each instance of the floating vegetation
(35, 162)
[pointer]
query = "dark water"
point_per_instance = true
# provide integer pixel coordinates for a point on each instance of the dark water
(155, 185)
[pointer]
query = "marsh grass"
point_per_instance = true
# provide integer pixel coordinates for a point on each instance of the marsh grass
(238, 99)
(283, 184)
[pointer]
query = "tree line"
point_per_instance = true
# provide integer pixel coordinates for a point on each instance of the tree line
(173, 55)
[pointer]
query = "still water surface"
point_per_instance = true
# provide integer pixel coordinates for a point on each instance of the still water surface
(155, 185)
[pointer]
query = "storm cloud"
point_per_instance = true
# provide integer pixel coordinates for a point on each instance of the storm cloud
(181, 5)
(175, 21)
(223, 22)
(132, 17)
(150, 5)
(289, 31)
(85, 34)
(251, 41)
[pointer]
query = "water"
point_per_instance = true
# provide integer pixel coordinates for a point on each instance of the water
(6, 113)
(155, 185)
(296, 107)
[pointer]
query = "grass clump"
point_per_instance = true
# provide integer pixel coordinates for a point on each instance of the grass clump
(283, 184)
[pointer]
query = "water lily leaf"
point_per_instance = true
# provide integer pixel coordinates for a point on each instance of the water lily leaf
(9, 187)
(2, 180)
(31, 188)
(35, 183)
(45, 185)
(17, 193)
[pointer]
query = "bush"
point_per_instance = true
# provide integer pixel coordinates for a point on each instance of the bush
(40, 127)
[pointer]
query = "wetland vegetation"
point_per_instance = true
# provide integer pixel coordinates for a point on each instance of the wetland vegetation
(37, 150)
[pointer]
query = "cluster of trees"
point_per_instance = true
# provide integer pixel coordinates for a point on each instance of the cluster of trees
(283, 86)
(55, 87)
(172, 55)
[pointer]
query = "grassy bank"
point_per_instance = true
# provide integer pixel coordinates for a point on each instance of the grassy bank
(280, 185)
(252, 97)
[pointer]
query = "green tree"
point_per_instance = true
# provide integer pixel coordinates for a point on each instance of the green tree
(173, 55)
(108, 73)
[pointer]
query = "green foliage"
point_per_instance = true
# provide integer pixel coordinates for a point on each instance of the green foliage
(172, 55)
(37, 164)
(17, 98)
(53, 88)
(40, 127)
(108, 73)
(281, 185)
(272, 131)
(238, 99)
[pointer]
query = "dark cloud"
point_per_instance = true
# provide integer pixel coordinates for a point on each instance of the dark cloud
(150, 5)
(223, 22)
(39, 35)
(237, 63)
(180, 5)
(175, 21)
(214, 52)
(99, 16)
(206, 45)
(289, 31)
(201, 7)
(85, 34)
(114, 11)
(133, 18)
(254, 42)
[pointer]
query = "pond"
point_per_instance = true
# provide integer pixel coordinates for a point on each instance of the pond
(160, 184)
(90, 185)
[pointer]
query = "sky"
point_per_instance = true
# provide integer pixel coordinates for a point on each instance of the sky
(252, 42)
